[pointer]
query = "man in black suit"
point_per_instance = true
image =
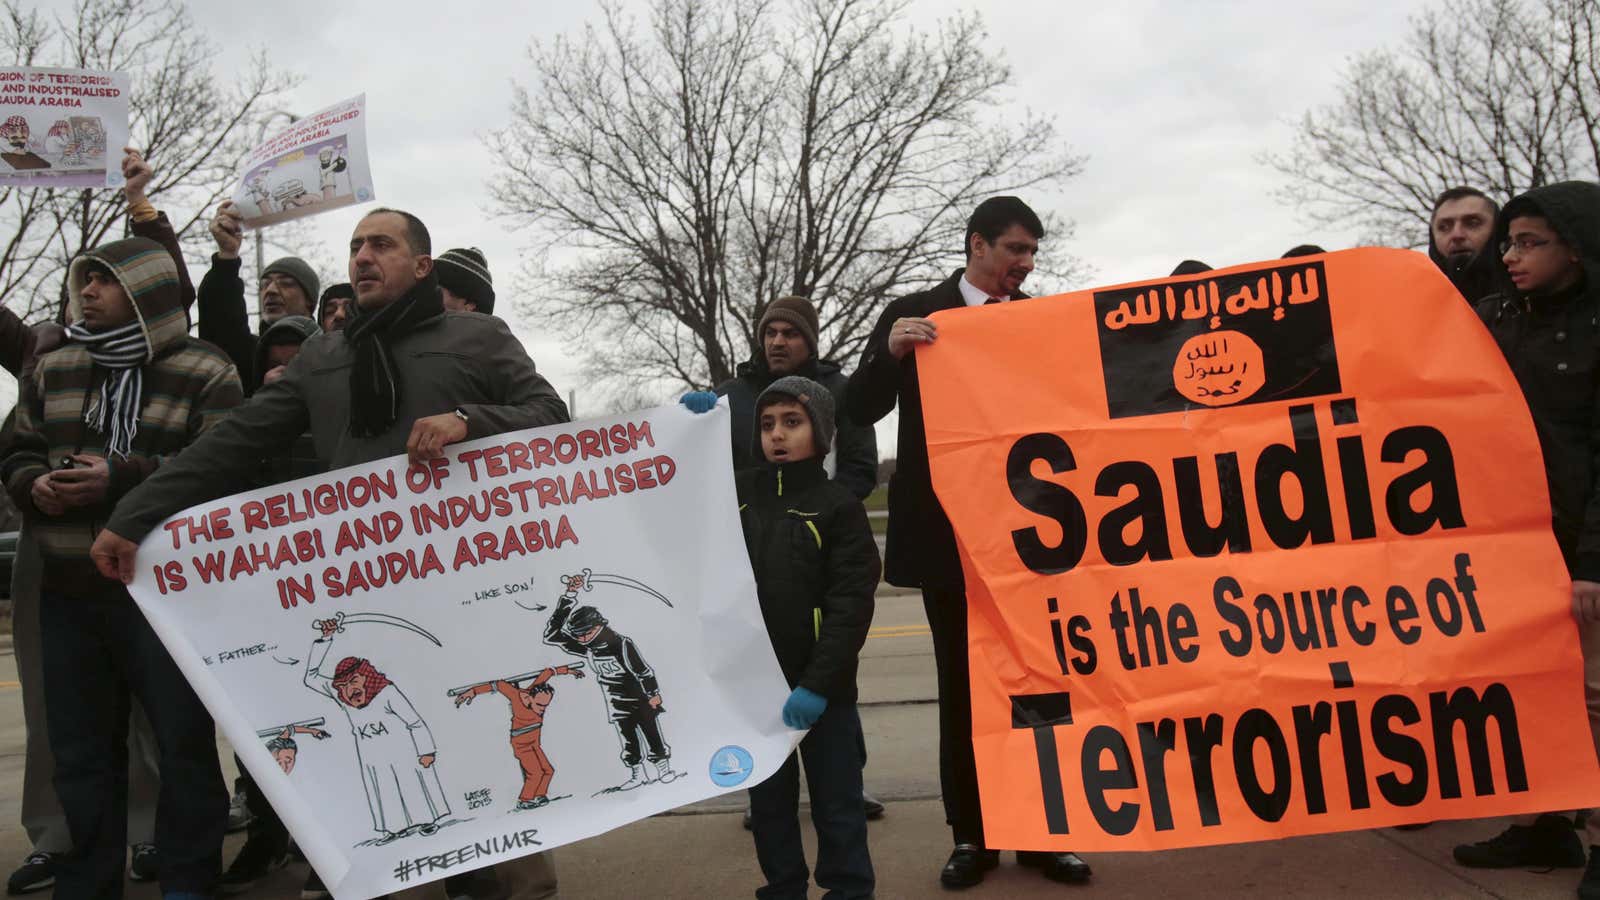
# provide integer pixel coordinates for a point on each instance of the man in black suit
(1002, 237)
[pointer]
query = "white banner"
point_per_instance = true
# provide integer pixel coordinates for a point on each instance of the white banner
(544, 636)
(62, 127)
(317, 164)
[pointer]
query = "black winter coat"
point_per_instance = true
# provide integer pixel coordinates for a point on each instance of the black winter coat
(816, 568)
(855, 447)
(223, 320)
(1553, 346)
(921, 548)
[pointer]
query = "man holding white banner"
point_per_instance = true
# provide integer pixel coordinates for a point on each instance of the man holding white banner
(404, 376)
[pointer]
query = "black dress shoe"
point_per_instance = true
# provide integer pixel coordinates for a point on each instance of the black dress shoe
(871, 805)
(967, 864)
(1066, 868)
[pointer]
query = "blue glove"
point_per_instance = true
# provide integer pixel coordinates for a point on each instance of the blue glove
(699, 401)
(803, 708)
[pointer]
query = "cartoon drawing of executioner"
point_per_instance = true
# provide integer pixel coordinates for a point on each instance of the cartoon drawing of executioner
(528, 707)
(395, 751)
(281, 743)
(329, 165)
(629, 684)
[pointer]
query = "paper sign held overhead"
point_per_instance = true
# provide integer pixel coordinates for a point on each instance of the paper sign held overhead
(62, 127)
(315, 165)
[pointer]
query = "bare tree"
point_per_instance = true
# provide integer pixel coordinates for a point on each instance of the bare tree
(739, 150)
(193, 126)
(1501, 95)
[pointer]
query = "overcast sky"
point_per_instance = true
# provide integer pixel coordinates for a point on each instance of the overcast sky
(1172, 103)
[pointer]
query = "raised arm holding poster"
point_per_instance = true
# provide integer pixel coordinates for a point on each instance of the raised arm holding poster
(317, 164)
(62, 127)
(541, 636)
(1253, 554)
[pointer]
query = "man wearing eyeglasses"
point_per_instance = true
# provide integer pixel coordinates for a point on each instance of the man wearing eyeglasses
(287, 287)
(1547, 328)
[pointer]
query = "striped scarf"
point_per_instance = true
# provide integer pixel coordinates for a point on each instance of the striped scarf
(115, 411)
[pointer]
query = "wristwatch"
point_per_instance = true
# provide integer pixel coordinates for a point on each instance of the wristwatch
(462, 415)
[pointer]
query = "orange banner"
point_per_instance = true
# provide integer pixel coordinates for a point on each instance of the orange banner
(1253, 554)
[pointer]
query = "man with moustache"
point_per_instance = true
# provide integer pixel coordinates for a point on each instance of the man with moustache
(1002, 237)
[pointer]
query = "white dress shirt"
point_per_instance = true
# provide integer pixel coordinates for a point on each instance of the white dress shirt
(973, 295)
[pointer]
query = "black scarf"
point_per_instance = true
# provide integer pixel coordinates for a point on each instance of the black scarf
(374, 381)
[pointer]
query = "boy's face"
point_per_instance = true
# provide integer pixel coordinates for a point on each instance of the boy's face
(786, 433)
(105, 303)
(281, 354)
(1537, 259)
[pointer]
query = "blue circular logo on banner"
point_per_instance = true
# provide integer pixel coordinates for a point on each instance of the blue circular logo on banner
(730, 766)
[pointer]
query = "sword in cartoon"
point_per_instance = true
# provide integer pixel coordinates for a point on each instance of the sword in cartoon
(340, 620)
(590, 579)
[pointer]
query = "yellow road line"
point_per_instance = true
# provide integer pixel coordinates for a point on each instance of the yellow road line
(897, 631)
(10, 684)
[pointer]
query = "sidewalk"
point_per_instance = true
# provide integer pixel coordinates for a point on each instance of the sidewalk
(702, 852)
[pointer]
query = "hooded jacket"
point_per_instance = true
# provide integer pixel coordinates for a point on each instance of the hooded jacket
(1484, 274)
(21, 344)
(188, 387)
(453, 361)
(816, 567)
(855, 450)
(1553, 347)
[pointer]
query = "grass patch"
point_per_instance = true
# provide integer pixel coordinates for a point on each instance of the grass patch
(878, 500)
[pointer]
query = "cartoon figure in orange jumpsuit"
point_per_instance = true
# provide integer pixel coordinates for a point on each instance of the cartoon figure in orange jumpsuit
(528, 707)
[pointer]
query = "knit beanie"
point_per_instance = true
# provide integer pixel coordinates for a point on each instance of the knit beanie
(813, 397)
(797, 311)
(465, 273)
(341, 291)
(300, 271)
